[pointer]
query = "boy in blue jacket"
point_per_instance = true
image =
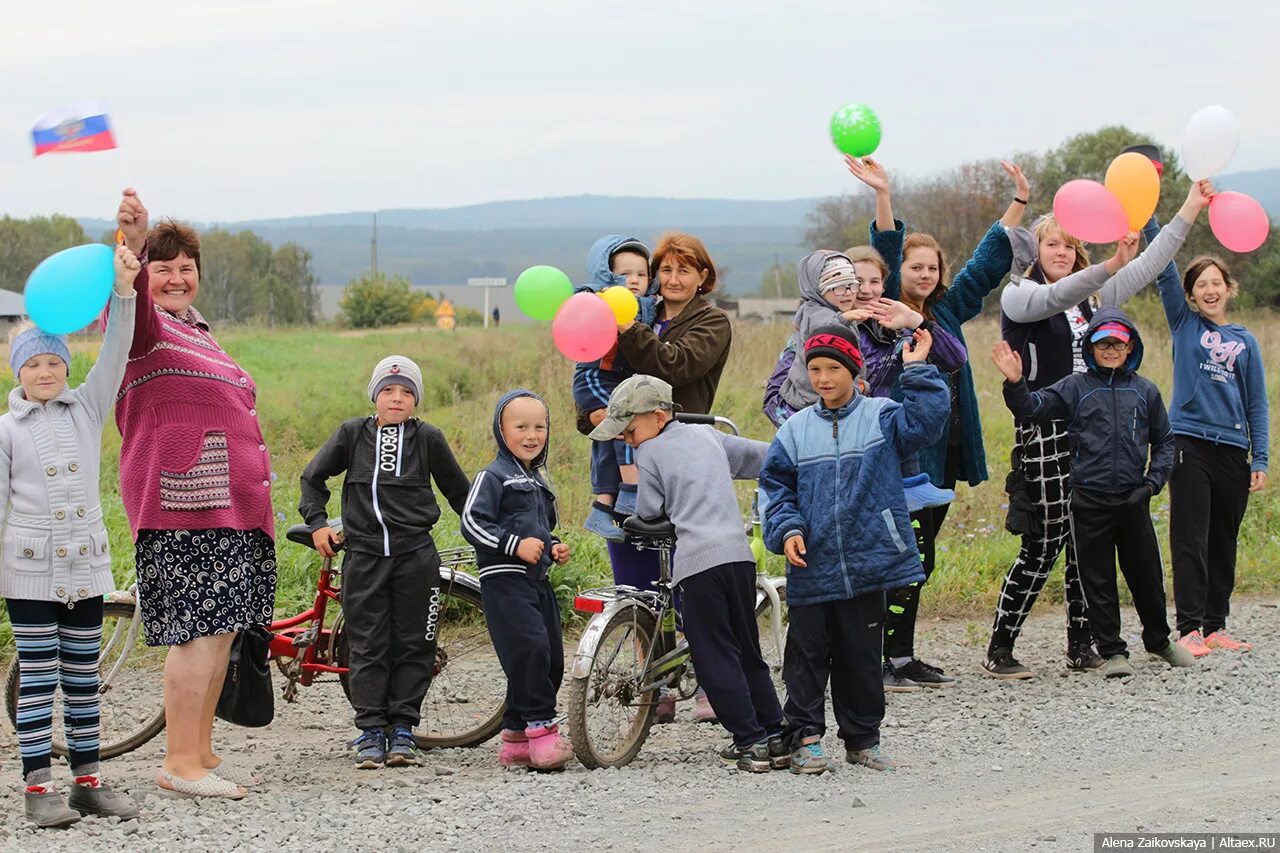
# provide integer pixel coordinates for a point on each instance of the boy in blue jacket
(614, 261)
(509, 517)
(1115, 421)
(836, 509)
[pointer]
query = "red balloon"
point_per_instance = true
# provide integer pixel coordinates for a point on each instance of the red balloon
(584, 328)
(1239, 222)
(1090, 211)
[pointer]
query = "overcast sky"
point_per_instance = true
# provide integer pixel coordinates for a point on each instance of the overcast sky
(232, 110)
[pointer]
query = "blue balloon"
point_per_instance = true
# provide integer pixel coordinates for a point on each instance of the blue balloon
(68, 291)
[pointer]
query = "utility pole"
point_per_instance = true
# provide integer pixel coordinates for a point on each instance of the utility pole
(777, 277)
(373, 245)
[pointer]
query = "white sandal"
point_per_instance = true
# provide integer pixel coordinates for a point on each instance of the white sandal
(210, 785)
(241, 776)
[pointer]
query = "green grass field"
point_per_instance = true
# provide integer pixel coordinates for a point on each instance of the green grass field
(310, 379)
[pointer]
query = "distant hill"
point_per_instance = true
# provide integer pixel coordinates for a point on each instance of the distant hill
(436, 247)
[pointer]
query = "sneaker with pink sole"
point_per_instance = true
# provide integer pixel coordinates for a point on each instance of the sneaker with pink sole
(514, 751)
(547, 749)
(702, 710)
(1194, 643)
(1220, 639)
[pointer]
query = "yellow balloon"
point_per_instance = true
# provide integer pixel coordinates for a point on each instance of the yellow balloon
(1134, 180)
(622, 303)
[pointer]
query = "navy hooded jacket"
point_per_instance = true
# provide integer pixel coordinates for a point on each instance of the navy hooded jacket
(510, 501)
(1115, 419)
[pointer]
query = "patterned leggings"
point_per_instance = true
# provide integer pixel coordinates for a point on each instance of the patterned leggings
(57, 643)
(1046, 460)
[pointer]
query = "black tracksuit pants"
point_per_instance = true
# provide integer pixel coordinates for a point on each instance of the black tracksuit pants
(391, 607)
(719, 615)
(1208, 493)
(1102, 534)
(524, 623)
(840, 642)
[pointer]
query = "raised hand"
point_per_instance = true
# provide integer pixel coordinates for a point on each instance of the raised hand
(893, 314)
(1021, 186)
(1126, 251)
(127, 266)
(918, 349)
(869, 172)
(132, 220)
(1007, 360)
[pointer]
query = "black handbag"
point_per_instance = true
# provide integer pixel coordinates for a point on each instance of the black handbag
(248, 696)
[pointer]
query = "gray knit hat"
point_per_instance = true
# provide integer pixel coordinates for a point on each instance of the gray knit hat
(33, 342)
(396, 370)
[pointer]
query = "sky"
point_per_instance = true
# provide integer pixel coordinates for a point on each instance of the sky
(228, 110)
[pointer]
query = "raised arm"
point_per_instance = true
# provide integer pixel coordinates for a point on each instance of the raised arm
(873, 175)
(132, 220)
(1160, 251)
(103, 382)
(1021, 195)
(1045, 405)
(981, 274)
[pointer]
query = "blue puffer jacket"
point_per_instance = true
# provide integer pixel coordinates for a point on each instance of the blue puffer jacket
(1115, 419)
(834, 477)
(594, 381)
(509, 502)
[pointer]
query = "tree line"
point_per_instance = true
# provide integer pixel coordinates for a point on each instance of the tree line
(957, 207)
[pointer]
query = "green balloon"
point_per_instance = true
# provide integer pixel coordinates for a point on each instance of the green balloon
(855, 130)
(541, 290)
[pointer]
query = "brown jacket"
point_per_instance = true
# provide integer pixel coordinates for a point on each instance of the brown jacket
(690, 354)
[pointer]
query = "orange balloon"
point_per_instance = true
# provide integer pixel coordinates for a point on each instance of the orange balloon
(1134, 180)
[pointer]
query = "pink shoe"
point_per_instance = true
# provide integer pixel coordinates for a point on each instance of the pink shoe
(1194, 643)
(666, 712)
(514, 751)
(1220, 639)
(702, 710)
(547, 750)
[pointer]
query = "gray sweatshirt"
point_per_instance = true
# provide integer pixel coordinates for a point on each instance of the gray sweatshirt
(687, 474)
(1027, 301)
(814, 313)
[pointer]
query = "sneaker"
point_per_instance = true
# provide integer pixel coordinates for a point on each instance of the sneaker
(90, 795)
(1001, 663)
(666, 712)
(779, 755)
(1195, 644)
(808, 757)
(921, 494)
(514, 751)
(1118, 666)
(403, 751)
(1220, 639)
(924, 674)
(547, 749)
(895, 681)
(702, 710)
(871, 757)
(371, 749)
(1177, 656)
(46, 808)
(754, 758)
(1083, 656)
(600, 521)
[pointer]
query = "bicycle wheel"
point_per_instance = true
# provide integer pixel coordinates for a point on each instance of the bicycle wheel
(468, 693)
(130, 691)
(771, 649)
(608, 718)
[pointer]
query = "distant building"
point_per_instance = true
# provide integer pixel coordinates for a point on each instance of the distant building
(12, 309)
(756, 310)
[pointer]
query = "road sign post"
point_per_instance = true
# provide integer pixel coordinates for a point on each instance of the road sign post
(486, 283)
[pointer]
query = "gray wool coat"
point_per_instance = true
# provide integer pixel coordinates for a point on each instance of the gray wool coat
(55, 543)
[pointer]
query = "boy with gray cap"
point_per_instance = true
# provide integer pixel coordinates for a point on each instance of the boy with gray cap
(686, 474)
(391, 574)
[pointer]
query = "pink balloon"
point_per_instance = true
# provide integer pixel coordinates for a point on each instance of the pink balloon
(1239, 222)
(584, 328)
(1090, 211)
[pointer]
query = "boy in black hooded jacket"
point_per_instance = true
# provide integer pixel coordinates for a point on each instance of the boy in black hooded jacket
(1115, 420)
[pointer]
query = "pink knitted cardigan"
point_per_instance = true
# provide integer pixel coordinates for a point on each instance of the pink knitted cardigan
(192, 455)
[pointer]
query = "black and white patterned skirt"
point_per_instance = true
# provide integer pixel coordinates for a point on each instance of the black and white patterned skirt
(197, 583)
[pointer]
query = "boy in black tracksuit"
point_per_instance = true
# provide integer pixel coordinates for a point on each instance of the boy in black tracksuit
(391, 574)
(509, 517)
(1115, 420)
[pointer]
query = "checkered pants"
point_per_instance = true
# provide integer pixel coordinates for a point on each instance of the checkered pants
(1046, 460)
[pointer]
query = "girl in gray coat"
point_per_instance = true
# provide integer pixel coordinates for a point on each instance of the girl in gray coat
(56, 566)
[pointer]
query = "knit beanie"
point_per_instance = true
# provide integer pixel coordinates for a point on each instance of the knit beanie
(33, 342)
(834, 342)
(396, 370)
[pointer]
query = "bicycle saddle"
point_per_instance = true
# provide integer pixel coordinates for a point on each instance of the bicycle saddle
(658, 528)
(301, 533)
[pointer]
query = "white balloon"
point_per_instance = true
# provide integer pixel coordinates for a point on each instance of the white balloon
(1209, 142)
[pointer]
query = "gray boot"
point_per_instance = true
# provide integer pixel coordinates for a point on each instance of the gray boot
(101, 800)
(1118, 666)
(48, 810)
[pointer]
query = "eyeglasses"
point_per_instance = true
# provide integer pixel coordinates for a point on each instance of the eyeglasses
(1113, 344)
(844, 289)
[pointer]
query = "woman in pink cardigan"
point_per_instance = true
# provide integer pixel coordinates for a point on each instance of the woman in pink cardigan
(195, 477)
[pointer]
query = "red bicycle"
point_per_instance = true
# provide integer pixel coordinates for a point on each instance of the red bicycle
(462, 708)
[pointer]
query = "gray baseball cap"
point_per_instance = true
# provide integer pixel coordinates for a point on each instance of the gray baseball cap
(635, 395)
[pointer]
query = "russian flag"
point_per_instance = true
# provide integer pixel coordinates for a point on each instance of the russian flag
(79, 127)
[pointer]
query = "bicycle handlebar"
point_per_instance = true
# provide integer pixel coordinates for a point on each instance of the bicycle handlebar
(709, 420)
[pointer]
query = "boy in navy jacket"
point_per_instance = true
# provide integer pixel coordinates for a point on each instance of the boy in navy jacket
(509, 518)
(1115, 421)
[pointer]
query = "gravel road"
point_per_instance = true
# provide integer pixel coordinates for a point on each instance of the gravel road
(1037, 765)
